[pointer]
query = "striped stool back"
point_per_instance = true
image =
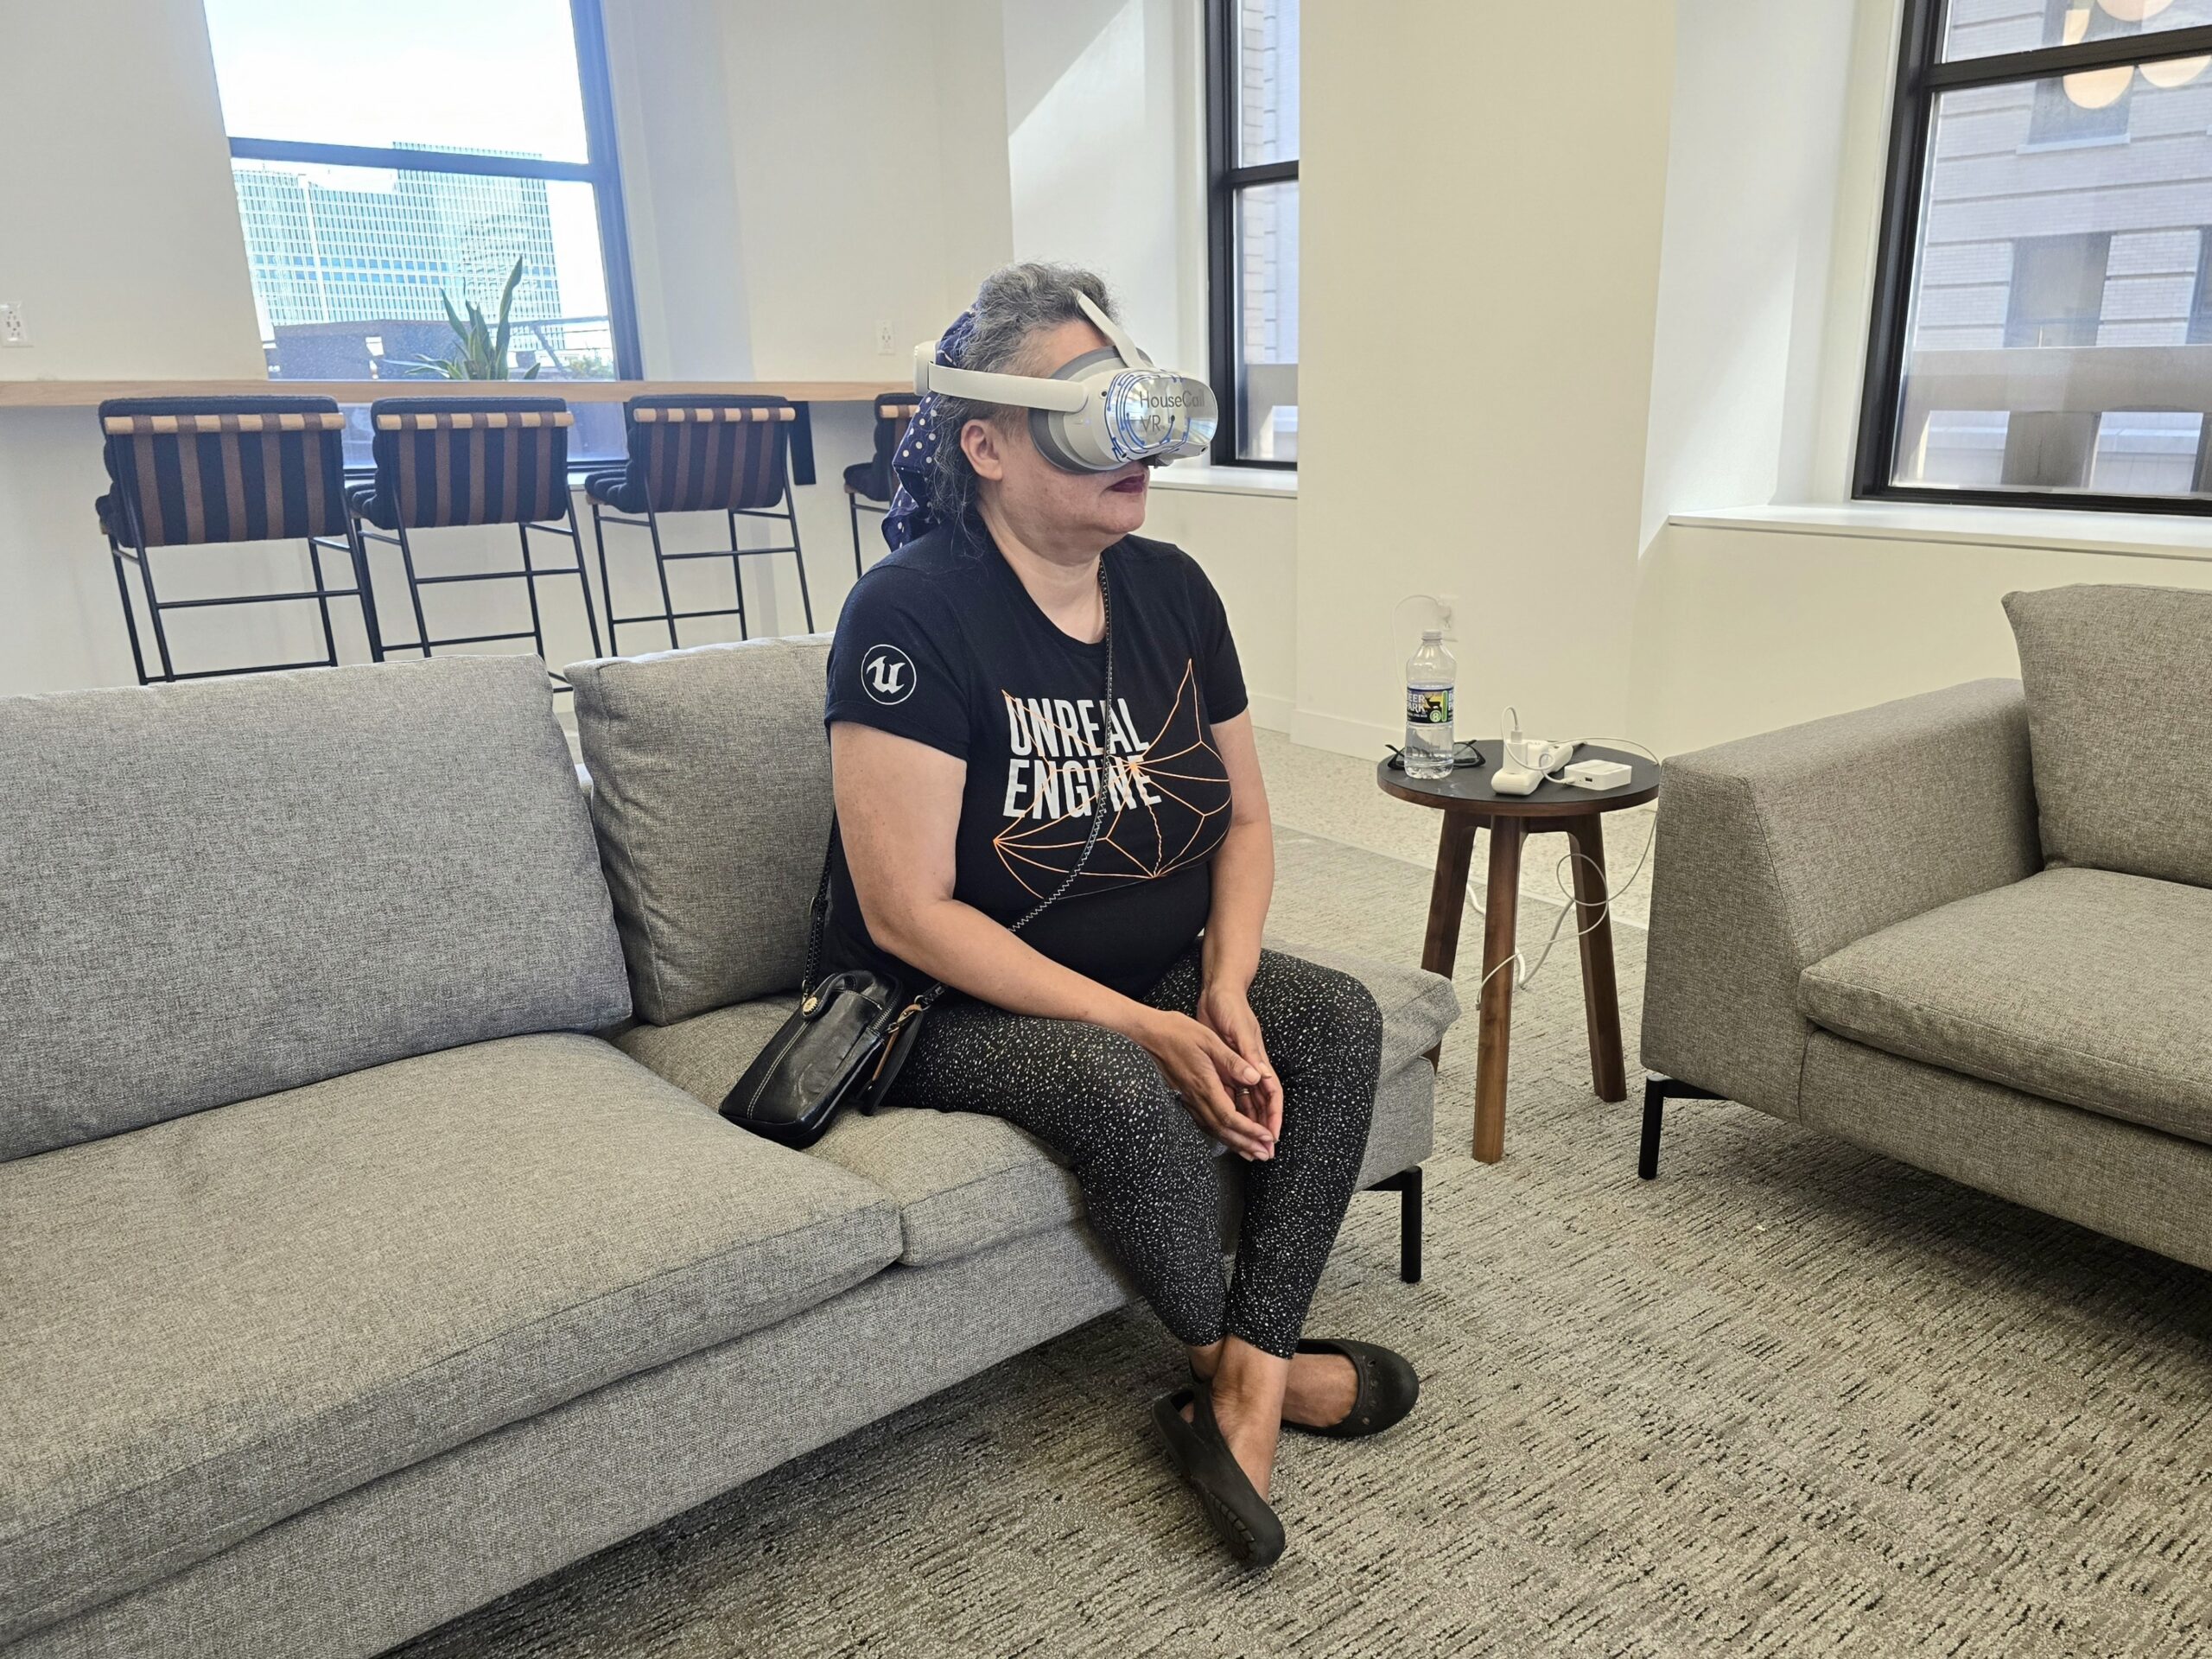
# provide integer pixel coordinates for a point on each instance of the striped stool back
(469, 460)
(690, 454)
(894, 413)
(222, 469)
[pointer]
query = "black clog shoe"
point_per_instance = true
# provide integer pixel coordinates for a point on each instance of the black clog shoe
(1202, 1456)
(1387, 1388)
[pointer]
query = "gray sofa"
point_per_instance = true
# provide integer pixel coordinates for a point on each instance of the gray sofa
(352, 1275)
(1971, 930)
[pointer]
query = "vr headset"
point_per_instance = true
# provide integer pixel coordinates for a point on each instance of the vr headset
(1100, 411)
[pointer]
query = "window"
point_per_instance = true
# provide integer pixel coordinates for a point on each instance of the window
(1252, 242)
(2041, 330)
(391, 155)
(2056, 295)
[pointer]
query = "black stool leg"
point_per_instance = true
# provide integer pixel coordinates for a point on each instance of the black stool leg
(852, 507)
(323, 600)
(414, 592)
(130, 610)
(358, 549)
(791, 504)
(154, 613)
(737, 576)
(584, 577)
(606, 584)
(667, 603)
(530, 586)
(1657, 1091)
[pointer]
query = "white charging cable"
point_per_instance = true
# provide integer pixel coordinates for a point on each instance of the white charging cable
(1603, 905)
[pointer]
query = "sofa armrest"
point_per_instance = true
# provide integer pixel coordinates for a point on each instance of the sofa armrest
(1776, 851)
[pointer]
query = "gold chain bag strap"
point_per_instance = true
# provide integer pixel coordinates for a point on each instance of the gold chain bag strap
(852, 1031)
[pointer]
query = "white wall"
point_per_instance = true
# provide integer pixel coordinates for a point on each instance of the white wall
(680, 187)
(1754, 160)
(1759, 626)
(1481, 265)
(1248, 543)
(121, 235)
(1104, 140)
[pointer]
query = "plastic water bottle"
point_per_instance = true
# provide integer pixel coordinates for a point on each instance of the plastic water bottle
(1430, 676)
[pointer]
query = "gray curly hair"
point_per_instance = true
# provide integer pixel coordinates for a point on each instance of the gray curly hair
(1015, 304)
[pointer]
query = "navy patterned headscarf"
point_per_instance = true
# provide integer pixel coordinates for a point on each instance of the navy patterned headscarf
(913, 512)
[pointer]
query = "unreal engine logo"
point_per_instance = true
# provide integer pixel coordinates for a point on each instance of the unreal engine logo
(887, 674)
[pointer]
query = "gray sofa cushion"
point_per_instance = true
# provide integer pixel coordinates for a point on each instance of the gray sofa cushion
(2120, 718)
(965, 1182)
(2086, 986)
(216, 1322)
(226, 889)
(710, 790)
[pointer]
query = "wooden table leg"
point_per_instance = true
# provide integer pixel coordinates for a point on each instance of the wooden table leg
(1494, 1025)
(1601, 1002)
(1447, 899)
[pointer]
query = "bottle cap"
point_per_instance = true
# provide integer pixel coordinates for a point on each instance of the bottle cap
(1432, 636)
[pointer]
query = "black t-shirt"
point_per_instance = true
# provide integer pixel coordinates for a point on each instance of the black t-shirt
(941, 642)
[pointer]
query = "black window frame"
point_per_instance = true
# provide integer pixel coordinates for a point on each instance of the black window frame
(1226, 180)
(600, 170)
(1923, 77)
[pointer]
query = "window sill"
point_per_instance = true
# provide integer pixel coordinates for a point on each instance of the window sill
(1227, 481)
(2160, 535)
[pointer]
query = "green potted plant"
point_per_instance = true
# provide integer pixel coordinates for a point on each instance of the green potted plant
(482, 351)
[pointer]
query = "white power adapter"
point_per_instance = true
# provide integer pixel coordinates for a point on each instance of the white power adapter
(1596, 774)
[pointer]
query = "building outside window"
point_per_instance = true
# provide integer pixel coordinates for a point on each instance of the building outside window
(1252, 47)
(2040, 333)
(395, 156)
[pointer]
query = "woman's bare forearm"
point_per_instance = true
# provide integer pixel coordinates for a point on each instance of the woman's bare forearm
(959, 944)
(1243, 886)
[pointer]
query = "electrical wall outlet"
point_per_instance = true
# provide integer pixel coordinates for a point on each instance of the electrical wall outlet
(883, 338)
(1449, 604)
(14, 331)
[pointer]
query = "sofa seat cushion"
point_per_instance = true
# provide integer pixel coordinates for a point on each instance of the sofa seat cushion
(215, 1322)
(965, 1182)
(2082, 985)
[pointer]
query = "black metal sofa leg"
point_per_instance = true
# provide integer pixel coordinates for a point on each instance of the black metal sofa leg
(1657, 1091)
(1407, 1185)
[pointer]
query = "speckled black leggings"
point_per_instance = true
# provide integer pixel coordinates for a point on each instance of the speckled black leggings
(1149, 1171)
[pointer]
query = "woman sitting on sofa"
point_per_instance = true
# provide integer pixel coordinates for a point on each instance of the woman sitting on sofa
(1136, 1022)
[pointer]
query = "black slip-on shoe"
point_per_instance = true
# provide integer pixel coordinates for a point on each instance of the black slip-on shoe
(1202, 1456)
(1387, 1388)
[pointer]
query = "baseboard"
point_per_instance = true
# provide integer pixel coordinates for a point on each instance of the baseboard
(1271, 713)
(1341, 736)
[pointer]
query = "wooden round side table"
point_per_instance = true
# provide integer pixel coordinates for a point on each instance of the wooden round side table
(1469, 803)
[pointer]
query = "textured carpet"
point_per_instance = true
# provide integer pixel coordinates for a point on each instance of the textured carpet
(1791, 1398)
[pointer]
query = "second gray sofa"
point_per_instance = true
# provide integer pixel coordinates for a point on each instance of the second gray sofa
(1972, 929)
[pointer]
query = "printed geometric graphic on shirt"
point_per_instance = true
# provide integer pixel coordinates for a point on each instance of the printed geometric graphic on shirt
(1166, 807)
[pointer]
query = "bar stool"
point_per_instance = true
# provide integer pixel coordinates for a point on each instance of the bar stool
(203, 471)
(448, 461)
(699, 455)
(870, 485)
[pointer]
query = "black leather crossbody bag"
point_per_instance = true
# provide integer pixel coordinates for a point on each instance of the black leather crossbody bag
(852, 1031)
